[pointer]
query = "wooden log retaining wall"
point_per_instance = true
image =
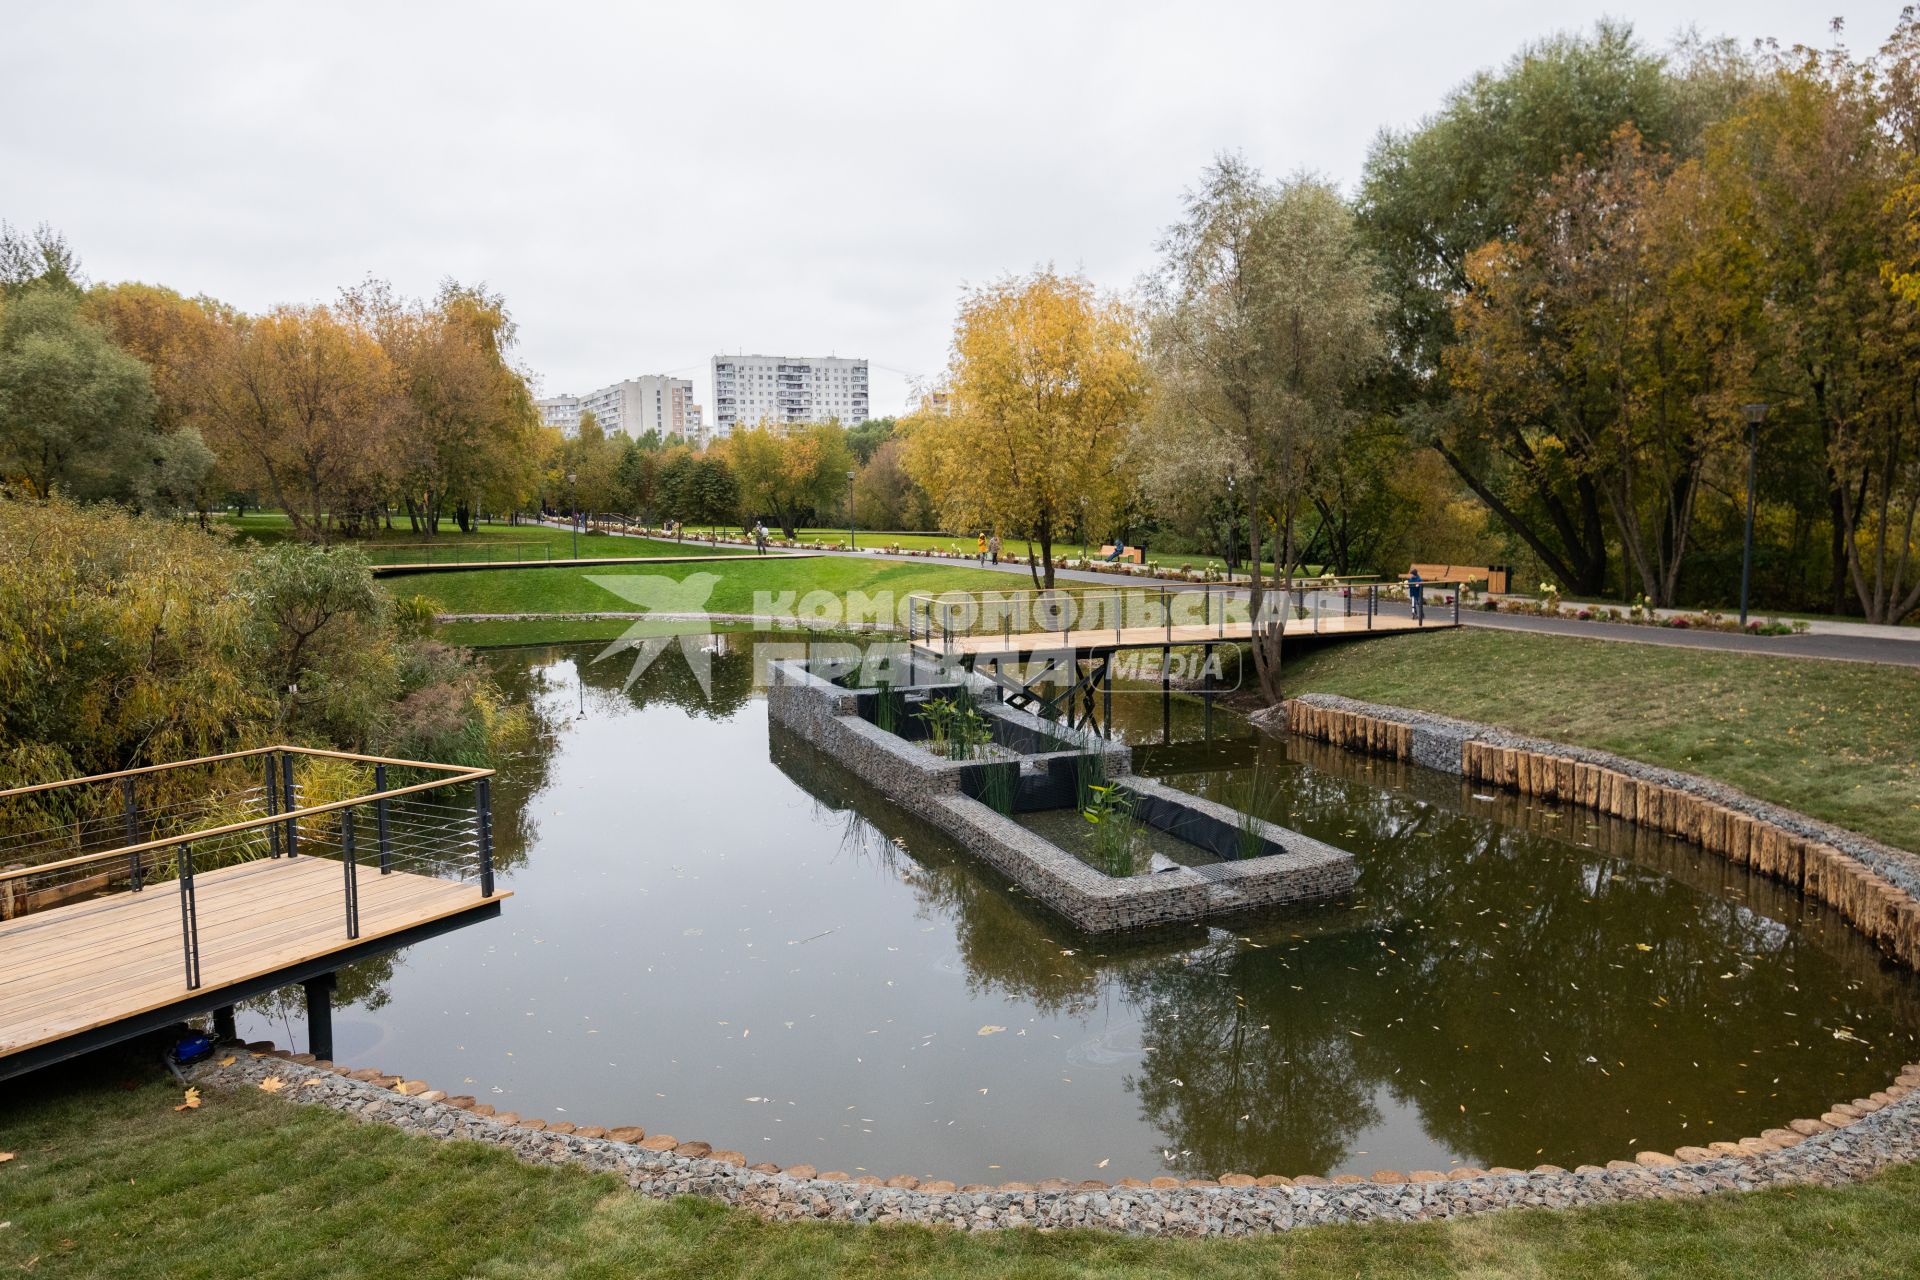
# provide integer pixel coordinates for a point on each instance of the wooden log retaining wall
(1820, 871)
(1351, 730)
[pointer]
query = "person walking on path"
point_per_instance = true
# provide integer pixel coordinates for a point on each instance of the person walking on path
(982, 550)
(760, 536)
(993, 547)
(1416, 595)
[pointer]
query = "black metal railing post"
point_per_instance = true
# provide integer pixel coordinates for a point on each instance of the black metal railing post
(1373, 601)
(288, 793)
(273, 805)
(132, 820)
(483, 814)
(1456, 605)
(350, 868)
(380, 819)
(189, 918)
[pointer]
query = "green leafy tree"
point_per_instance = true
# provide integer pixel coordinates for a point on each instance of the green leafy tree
(74, 407)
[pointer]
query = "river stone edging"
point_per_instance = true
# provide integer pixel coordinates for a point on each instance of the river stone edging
(1809, 1153)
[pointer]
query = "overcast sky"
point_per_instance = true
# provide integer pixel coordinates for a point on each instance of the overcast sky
(651, 184)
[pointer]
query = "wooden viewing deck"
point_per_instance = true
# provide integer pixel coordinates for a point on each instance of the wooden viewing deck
(107, 943)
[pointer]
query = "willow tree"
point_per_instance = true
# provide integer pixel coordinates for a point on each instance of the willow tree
(1267, 315)
(1045, 378)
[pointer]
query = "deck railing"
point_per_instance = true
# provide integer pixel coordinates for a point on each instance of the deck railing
(456, 551)
(131, 831)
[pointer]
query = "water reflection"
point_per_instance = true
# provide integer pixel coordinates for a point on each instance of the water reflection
(721, 935)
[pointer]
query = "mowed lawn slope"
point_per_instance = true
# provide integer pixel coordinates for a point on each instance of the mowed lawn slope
(108, 1179)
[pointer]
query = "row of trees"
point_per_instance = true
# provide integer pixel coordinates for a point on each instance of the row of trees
(338, 414)
(1564, 296)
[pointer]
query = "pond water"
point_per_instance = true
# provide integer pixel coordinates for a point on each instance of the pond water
(718, 935)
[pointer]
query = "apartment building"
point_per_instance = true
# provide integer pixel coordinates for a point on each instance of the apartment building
(787, 390)
(631, 407)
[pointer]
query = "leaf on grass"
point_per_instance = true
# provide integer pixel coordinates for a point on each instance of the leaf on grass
(192, 1102)
(988, 1030)
(5, 1156)
(273, 1084)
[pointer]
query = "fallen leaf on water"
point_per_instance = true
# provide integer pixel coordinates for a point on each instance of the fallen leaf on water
(989, 1029)
(1101, 1165)
(193, 1100)
(273, 1084)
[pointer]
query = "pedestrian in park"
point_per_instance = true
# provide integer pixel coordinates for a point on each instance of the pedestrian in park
(1416, 594)
(760, 536)
(993, 547)
(982, 550)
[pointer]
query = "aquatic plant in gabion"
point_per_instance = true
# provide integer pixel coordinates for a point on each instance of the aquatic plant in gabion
(1116, 832)
(1253, 800)
(886, 710)
(998, 786)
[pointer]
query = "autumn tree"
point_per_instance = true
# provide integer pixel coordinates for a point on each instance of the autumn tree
(885, 494)
(297, 400)
(1609, 338)
(1266, 318)
(788, 472)
(1046, 375)
(461, 421)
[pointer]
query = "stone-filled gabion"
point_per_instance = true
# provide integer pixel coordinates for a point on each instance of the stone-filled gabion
(1850, 1143)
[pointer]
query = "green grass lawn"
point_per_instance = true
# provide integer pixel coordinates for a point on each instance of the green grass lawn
(488, 541)
(109, 1180)
(569, 591)
(1838, 740)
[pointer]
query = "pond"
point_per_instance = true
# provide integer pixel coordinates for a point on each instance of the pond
(720, 936)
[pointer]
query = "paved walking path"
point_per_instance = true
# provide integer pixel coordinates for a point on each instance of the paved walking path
(1833, 640)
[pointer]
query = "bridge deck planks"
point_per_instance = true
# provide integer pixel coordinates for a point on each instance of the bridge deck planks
(1091, 640)
(90, 964)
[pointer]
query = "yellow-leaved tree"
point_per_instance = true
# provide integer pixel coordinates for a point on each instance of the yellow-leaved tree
(1045, 377)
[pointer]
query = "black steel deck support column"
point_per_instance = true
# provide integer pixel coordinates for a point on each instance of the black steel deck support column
(1166, 695)
(224, 1029)
(1206, 695)
(380, 819)
(320, 1015)
(1106, 705)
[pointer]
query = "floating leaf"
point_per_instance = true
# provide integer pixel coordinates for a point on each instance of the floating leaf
(988, 1030)
(1101, 1165)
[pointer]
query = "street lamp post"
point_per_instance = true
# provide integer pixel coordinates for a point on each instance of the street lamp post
(1230, 520)
(573, 514)
(1756, 414)
(850, 545)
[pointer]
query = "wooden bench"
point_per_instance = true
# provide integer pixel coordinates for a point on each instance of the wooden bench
(1132, 554)
(1493, 577)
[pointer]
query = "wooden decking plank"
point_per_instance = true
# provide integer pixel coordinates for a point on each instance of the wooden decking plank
(74, 968)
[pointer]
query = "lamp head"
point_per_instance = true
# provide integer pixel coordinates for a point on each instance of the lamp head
(1756, 413)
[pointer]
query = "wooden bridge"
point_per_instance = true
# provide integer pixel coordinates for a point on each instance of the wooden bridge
(1053, 652)
(130, 901)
